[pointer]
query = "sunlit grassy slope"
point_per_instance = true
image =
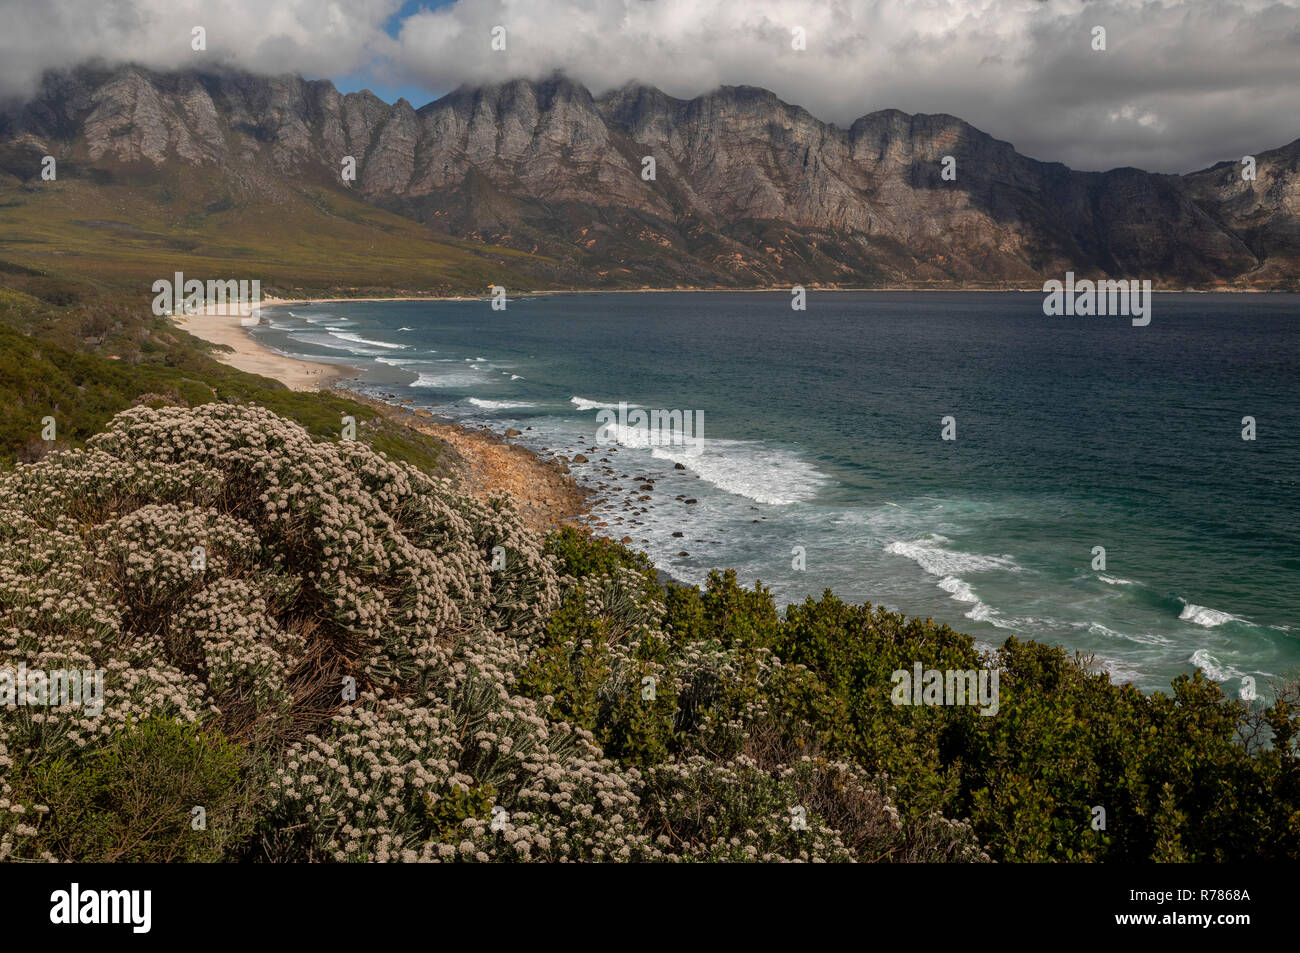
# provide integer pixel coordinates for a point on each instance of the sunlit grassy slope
(127, 228)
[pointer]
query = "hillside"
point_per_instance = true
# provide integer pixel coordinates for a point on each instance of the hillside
(69, 352)
(348, 674)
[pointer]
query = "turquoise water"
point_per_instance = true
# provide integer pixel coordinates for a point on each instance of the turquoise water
(822, 430)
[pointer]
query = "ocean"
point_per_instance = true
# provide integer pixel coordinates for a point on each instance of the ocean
(823, 463)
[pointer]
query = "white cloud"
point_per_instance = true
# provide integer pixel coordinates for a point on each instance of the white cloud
(1182, 83)
(309, 36)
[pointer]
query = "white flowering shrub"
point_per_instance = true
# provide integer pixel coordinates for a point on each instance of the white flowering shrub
(218, 564)
(230, 575)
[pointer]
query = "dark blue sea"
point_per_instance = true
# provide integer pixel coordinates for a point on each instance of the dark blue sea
(822, 446)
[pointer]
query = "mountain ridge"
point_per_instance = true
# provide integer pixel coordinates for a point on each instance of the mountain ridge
(749, 190)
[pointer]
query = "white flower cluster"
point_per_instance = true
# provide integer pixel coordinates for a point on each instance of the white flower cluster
(207, 559)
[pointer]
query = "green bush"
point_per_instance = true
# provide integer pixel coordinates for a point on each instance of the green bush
(1188, 775)
(578, 554)
(134, 798)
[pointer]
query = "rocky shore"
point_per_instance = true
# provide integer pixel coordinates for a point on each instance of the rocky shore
(488, 463)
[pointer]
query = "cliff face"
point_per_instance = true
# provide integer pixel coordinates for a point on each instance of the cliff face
(748, 189)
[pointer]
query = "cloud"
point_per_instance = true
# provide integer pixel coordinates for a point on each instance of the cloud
(265, 36)
(1181, 83)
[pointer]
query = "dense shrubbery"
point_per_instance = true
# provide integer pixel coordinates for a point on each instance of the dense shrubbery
(564, 707)
(1183, 776)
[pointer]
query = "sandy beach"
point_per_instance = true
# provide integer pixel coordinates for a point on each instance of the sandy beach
(246, 354)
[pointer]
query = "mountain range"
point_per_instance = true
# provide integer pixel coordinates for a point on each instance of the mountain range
(552, 180)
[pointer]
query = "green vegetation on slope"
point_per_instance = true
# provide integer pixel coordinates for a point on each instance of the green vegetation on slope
(1191, 775)
(55, 361)
(125, 229)
(349, 674)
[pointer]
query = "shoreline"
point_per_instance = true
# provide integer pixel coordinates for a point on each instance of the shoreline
(486, 462)
(248, 354)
